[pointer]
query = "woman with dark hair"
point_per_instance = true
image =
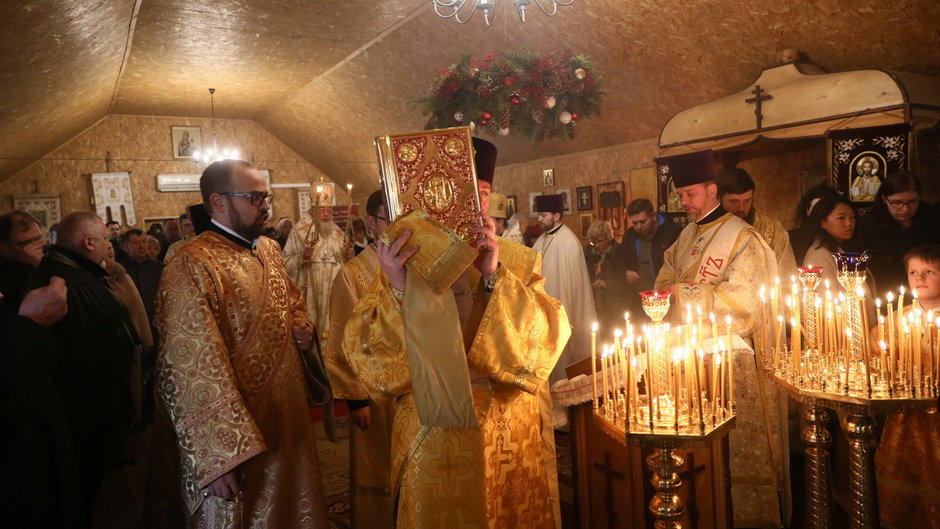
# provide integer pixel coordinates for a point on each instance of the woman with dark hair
(887, 231)
(832, 223)
(801, 237)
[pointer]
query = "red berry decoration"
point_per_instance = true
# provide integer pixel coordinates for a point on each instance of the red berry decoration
(574, 115)
(483, 121)
(508, 81)
(515, 99)
(487, 115)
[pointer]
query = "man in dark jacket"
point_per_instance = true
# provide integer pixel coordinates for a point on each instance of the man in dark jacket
(643, 246)
(20, 252)
(93, 378)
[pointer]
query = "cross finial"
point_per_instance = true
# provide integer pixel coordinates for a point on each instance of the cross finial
(759, 97)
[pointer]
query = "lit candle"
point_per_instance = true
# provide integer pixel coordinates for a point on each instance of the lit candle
(349, 210)
(763, 321)
(604, 374)
(777, 341)
(890, 299)
(848, 358)
(730, 361)
(716, 381)
(594, 362)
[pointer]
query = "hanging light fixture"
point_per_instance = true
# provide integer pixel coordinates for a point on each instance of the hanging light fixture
(213, 154)
(455, 8)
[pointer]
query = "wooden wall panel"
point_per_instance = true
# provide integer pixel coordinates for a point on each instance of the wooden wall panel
(141, 145)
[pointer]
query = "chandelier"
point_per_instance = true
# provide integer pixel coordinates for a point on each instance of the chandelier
(455, 8)
(213, 154)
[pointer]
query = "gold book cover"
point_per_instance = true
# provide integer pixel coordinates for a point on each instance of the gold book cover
(442, 254)
(432, 170)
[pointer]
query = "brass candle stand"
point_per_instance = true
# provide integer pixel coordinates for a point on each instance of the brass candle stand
(686, 401)
(833, 361)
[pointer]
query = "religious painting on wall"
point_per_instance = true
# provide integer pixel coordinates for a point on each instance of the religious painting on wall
(859, 159)
(566, 200)
(511, 206)
(611, 199)
(532, 195)
(186, 141)
(548, 178)
(585, 222)
(585, 198)
(113, 198)
(45, 208)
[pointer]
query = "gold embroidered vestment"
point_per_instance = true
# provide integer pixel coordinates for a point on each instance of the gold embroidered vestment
(231, 381)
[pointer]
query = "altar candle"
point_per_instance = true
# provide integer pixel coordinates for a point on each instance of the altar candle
(880, 319)
(698, 310)
(773, 311)
(675, 388)
(604, 374)
(594, 362)
(620, 359)
(730, 359)
(890, 299)
(819, 325)
(763, 320)
(848, 359)
(696, 363)
(918, 371)
(626, 321)
(711, 317)
(349, 210)
(864, 339)
(885, 373)
(716, 390)
(777, 341)
(901, 306)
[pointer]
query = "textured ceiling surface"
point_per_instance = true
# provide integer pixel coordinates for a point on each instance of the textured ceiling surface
(326, 77)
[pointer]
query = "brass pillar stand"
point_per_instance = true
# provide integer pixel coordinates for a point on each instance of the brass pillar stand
(860, 430)
(818, 474)
(666, 505)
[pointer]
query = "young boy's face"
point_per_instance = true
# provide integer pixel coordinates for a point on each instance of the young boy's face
(924, 277)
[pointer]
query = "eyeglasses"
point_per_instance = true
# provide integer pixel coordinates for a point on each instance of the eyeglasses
(902, 203)
(256, 198)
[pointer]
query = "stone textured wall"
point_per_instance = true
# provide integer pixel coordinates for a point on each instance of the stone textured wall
(142, 146)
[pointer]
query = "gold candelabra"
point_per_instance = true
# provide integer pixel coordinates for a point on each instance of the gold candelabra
(835, 359)
(665, 388)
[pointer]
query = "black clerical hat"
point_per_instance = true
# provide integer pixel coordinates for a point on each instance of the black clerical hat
(549, 204)
(689, 169)
(485, 159)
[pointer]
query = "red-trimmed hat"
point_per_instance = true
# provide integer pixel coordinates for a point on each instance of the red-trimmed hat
(485, 159)
(549, 204)
(689, 169)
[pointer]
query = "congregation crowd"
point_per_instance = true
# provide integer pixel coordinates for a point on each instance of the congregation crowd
(189, 333)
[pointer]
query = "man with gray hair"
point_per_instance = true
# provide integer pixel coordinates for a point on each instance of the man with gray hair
(93, 378)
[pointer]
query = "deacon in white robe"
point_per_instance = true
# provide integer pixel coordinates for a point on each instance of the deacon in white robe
(314, 254)
(719, 263)
(566, 279)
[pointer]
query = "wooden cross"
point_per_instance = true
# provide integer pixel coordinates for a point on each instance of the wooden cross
(759, 97)
(691, 470)
(609, 475)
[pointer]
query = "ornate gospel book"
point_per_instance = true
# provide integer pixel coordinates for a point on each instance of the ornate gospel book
(429, 179)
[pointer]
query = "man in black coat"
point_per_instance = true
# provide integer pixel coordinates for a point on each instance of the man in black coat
(21, 247)
(643, 246)
(38, 473)
(93, 378)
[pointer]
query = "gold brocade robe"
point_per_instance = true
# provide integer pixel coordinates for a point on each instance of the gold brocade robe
(503, 474)
(907, 462)
(370, 450)
(776, 236)
(315, 275)
(720, 266)
(230, 378)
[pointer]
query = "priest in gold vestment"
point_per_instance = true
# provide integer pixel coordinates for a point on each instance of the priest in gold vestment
(472, 442)
(314, 253)
(719, 263)
(229, 373)
(370, 431)
(736, 192)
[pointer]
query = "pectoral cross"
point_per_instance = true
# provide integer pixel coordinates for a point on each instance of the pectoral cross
(759, 97)
(609, 475)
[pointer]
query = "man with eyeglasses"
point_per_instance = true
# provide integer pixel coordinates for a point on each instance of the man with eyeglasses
(94, 377)
(21, 247)
(314, 254)
(229, 370)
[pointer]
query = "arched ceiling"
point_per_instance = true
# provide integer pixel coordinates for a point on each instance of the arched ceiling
(326, 77)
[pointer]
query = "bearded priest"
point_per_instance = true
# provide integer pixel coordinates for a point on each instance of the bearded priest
(229, 370)
(719, 263)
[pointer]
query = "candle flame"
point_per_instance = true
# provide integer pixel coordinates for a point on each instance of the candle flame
(349, 187)
(902, 290)
(594, 327)
(618, 333)
(890, 297)
(883, 345)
